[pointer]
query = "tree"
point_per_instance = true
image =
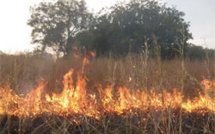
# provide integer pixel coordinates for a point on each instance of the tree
(199, 53)
(128, 27)
(56, 24)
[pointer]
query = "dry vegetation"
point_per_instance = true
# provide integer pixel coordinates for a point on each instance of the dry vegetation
(22, 73)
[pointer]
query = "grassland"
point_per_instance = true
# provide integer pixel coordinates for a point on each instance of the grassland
(22, 73)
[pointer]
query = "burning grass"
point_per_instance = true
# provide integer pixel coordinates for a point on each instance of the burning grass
(117, 106)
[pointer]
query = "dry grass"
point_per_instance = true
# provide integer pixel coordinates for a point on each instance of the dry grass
(22, 73)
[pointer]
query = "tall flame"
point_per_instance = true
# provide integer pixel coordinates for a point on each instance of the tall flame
(76, 100)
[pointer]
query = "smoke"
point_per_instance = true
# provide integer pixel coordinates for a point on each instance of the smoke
(38, 68)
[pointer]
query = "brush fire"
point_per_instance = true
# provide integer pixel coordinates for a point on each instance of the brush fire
(77, 104)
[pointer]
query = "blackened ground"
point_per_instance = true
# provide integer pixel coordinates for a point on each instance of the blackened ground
(140, 122)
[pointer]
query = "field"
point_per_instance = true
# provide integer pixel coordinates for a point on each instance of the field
(133, 94)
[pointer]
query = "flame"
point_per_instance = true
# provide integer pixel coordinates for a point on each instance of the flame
(75, 48)
(91, 53)
(76, 56)
(76, 100)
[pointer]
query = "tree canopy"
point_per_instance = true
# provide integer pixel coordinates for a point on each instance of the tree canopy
(128, 28)
(56, 24)
(120, 29)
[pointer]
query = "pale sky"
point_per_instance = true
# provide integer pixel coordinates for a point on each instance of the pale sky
(15, 34)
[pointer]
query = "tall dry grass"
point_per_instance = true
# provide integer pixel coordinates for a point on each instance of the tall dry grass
(22, 72)
(135, 71)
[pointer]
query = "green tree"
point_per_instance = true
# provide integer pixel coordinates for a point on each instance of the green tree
(56, 24)
(199, 53)
(127, 27)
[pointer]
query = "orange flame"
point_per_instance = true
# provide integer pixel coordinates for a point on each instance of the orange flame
(74, 99)
(93, 54)
(76, 56)
(75, 48)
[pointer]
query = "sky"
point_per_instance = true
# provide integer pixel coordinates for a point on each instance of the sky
(15, 34)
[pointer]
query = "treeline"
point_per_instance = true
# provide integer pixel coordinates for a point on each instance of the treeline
(199, 53)
(192, 52)
(139, 26)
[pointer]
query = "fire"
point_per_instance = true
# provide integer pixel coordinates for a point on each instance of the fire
(76, 100)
